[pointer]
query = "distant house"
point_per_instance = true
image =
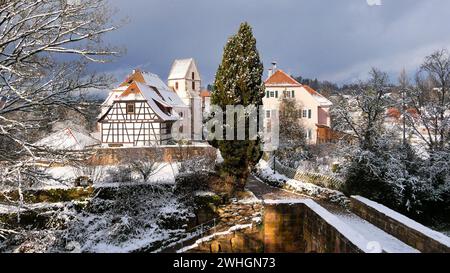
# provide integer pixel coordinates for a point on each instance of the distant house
(68, 139)
(141, 112)
(206, 100)
(184, 78)
(314, 109)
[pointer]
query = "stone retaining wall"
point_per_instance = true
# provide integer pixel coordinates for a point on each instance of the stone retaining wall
(115, 156)
(309, 177)
(286, 228)
(410, 232)
(298, 228)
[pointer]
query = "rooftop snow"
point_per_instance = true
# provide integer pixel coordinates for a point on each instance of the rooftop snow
(68, 139)
(180, 69)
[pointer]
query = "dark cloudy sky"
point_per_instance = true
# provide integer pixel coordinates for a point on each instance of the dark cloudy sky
(337, 40)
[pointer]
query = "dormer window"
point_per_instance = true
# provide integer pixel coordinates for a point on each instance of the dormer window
(130, 108)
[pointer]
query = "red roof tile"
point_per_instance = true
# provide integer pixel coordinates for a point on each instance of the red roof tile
(205, 93)
(281, 78)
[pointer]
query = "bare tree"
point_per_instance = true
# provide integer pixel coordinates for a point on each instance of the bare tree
(293, 147)
(145, 169)
(45, 46)
(430, 100)
(362, 112)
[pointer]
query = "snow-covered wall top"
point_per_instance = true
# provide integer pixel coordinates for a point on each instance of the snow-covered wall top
(439, 237)
(345, 230)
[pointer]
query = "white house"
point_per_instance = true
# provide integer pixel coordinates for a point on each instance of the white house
(143, 111)
(68, 139)
(184, 78)
(313, 112)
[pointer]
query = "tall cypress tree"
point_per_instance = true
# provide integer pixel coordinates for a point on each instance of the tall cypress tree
(239, 82)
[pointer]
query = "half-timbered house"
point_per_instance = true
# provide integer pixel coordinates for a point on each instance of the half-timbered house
(141, 112)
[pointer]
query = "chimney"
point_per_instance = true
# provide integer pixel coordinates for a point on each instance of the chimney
(270, 72)
(274, 67)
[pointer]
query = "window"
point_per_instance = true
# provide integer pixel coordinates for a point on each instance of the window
(193, 85)
(181, 129)
(309, 134)
(176, 86)
(130, 108)
(293, 94)
(272, 94)
(181, 114)
(193, 75)
(276, 94)
(267, 113)
(305, 113)
(309, 114)
(267, 94)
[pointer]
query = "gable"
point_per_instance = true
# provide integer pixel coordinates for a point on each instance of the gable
(280, 78)
(182, 69)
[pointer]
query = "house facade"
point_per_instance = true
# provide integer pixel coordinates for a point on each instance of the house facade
(142, 111)
(313, 108)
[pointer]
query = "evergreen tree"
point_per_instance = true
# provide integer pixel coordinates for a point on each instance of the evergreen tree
(239, 82)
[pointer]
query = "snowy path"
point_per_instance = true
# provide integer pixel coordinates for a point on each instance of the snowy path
(371, 233)
(265, 192)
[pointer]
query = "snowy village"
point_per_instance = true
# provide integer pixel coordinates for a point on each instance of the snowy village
(144, 156)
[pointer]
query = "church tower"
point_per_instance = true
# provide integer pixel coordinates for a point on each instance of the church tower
(184, 79)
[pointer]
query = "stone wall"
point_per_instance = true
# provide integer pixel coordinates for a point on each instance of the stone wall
(286, 228)
(401, 229)
(283, 228)
(318, 179)
(297, 228)
(247, 240)
(115, 156)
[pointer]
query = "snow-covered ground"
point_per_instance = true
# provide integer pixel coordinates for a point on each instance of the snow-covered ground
(64, 177)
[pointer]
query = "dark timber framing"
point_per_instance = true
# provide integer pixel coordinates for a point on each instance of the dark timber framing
(143, 127)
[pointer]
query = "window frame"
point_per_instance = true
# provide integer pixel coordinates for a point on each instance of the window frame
(133, 111)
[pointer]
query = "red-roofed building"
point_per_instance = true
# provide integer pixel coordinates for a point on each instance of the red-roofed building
(205, 95)
(313, 107)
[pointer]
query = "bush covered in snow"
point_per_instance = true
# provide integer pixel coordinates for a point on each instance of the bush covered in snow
(123, 218)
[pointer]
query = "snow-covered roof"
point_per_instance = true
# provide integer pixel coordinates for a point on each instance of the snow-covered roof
(155, 81)
(162, 93)
(151, 88)
(321, 100)
(180, 68)
(68, 139)
(153, 98)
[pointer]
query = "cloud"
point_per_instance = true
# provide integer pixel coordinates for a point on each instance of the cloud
(374, 2)
(320, 38)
